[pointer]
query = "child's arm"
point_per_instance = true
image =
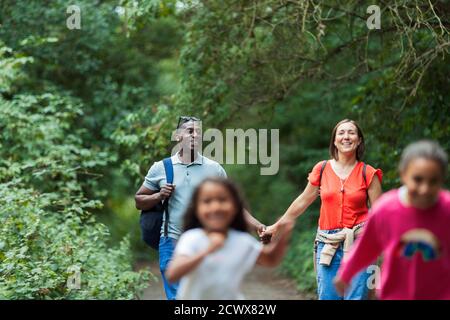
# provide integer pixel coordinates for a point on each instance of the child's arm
(366, 250)
(182, 264)
(272, 254)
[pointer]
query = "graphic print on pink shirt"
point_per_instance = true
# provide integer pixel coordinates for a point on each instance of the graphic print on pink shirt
(420, 242)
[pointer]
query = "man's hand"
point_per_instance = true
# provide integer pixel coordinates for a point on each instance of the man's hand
(166, 191)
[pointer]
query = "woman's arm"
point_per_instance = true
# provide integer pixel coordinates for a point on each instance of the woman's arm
(182, 264)
(272, 254)
(296, 208)
(300, 204)
(374, 190)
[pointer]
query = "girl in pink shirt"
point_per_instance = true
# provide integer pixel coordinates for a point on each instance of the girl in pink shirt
(410, 226)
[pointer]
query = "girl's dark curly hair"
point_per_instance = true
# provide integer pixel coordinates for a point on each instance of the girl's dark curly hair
(190, 217)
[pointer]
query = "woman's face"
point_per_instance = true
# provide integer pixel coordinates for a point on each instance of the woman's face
(215, 208)
(347, 140)
(423, 178)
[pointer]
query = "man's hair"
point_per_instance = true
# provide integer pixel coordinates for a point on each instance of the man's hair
(184, 119)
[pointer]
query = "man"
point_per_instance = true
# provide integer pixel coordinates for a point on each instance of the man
(189, 168)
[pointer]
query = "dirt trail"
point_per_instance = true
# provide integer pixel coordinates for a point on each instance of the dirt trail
(260, 284)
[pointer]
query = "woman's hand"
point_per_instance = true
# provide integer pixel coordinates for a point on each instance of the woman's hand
(341, 286)
(269, 232)
(263, 237)
(216, 241)
(272, 254)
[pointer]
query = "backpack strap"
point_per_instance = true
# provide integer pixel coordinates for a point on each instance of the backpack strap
(168, 167)
(321, 172)
(364, 174)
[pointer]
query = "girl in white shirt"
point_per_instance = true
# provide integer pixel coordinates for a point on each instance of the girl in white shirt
(216, 251)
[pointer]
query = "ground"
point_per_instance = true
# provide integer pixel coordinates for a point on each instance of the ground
(260, 284)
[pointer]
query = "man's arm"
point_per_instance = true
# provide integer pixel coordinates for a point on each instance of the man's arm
(146, 198)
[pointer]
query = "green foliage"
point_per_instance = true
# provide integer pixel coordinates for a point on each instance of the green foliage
(42, 144)
(298, 262)
(46, 169)
(90, 82)
(122, 219)
(39, 245)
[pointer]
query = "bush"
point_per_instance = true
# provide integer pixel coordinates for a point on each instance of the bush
(298, 262)
(40, 249)
(51, 246)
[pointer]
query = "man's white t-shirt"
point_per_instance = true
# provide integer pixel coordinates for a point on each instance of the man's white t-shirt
(219, 275)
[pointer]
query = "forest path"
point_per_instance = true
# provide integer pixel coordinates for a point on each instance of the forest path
(260, 284)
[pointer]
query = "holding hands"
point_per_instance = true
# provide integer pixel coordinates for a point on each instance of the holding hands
(263, 236)
(276, 229)
(272, 254)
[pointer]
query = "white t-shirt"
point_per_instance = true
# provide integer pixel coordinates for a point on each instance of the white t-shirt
(219, 275)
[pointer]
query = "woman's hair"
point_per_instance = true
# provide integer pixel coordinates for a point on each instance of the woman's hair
(361, 148)
(427, 149)
(191, 220)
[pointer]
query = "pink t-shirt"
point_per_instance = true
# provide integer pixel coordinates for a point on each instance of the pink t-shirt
(415, 244)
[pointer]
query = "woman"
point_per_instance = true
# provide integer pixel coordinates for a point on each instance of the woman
(346, 186)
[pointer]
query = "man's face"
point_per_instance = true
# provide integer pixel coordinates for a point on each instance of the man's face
(190, 135)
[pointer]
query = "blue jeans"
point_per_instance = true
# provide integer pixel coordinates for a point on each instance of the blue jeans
(166, 248)
(358, 289)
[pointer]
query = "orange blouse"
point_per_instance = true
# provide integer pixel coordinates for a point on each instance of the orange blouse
(342, 209)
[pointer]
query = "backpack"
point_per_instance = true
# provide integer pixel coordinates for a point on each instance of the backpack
(151, 220)
(363, 173)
